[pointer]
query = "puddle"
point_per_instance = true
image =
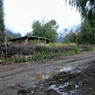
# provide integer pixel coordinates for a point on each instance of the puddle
(48, 75)
(66, 69)
(66, 82)
(58, 69)
(39, 76)
(63, 89)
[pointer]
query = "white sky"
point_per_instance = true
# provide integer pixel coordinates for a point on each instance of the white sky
(20, 14)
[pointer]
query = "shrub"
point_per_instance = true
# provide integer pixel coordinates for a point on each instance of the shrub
(54, 50)
(41, 52)
(19, 59)
(5, 61)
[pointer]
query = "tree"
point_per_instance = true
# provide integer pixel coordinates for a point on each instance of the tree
(87, 33)
(72, 37)
(2, 27)
(48, 30)
(29, 34)
(87, 29)
(37, 28)
(85, 7)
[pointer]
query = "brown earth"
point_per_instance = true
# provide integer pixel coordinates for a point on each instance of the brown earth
(26, 79)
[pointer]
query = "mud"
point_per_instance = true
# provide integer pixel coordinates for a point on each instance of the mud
(73, 82)
(71, 75)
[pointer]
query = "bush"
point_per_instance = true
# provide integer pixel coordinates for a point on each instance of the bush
(4, 61)
(41, 52)
(19, 59)
(54, 50)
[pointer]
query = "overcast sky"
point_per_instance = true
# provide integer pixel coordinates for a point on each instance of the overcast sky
(20, 14)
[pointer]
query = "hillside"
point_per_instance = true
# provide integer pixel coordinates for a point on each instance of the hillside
(9, 33)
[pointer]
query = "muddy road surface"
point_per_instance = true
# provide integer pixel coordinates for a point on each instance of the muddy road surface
(71, 75)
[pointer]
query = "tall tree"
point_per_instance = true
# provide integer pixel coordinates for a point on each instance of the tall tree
(2, 27)
(87, 33)
(87, 10)
(48, 30)
(86, 7)
(37, 29)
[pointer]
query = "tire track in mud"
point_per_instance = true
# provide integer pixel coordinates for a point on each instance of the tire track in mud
(24, 73)
(21, 70)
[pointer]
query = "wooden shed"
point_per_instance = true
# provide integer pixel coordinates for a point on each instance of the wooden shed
(31, 40)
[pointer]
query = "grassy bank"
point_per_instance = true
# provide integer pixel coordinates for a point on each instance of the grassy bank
(43, 52)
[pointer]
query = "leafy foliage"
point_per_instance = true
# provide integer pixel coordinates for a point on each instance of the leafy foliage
(72, 37)
(23, 54)
(86, 35)
(83, 5)
(2, 27)
(52, 51)
(48, 30)
(79, 4)
(87, 29)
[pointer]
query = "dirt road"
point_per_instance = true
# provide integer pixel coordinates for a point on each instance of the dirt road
(19, 76)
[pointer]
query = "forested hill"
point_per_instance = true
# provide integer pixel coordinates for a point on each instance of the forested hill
(11, 34)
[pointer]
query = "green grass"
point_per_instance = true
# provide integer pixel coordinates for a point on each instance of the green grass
(88, 49)
(44, 55)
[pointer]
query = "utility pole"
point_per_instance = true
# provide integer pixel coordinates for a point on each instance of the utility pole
(3, 48)
(1, 45)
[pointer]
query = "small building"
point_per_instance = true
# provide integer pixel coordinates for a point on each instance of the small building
(30, 40)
